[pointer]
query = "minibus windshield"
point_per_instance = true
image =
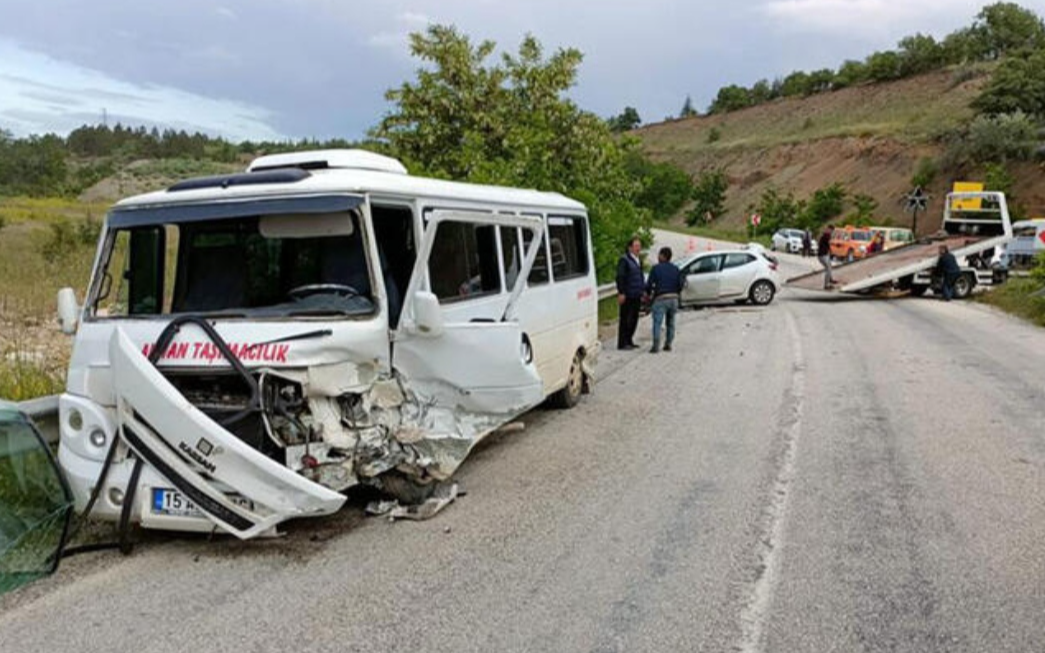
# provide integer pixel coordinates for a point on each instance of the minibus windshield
(258, 266)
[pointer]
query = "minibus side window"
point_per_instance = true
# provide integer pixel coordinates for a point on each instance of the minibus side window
(463, 263)
(513, 258)
(569, 247)
(539, 273)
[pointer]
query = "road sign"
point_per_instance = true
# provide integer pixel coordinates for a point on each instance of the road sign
(917, 200)
(756, 219)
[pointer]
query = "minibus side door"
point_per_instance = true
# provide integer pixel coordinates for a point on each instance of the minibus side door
(484, 366)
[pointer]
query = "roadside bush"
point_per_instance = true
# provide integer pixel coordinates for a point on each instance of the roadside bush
(1012, 136)
(864, 207)
(665, 187)
(824, 204)
(1038, 271)
(993, 139)
(88, 230)
(709, 196)
(924, 172)
(64, 236)
(779, 210)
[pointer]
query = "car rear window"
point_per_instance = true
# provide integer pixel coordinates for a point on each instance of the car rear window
(736, 260)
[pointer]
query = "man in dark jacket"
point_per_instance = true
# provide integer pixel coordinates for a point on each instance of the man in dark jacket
(823, 253)
(629, 294)
(949, 270)
(664, 286)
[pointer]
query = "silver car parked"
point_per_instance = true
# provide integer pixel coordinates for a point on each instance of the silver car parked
(787, 240)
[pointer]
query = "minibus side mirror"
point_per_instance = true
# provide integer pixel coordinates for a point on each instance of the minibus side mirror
(68, 311)
(428, 317)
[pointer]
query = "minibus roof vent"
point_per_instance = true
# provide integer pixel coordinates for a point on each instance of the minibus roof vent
(284, 176)
(322, 159)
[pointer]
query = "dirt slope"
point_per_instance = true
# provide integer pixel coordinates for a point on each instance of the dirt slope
(869, 138)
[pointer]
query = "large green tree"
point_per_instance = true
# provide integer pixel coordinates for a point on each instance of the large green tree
(510, 123)
(1018, 84)
(730, 98)
(627, 120)
(1005, 26)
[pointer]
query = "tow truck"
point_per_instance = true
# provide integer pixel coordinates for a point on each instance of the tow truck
(976, 225)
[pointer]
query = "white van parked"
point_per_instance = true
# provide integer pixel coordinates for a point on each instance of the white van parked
(1028, 240)
(252, 345)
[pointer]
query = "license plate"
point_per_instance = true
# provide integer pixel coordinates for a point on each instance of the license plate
(168, 501)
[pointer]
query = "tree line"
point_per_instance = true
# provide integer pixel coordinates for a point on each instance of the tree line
(999, 29)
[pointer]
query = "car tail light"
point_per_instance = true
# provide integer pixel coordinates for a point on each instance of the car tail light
(772, 266)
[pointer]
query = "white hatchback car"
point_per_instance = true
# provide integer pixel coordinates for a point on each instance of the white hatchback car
(743, 275)
(787, 240)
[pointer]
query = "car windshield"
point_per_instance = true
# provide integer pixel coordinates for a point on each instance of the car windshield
(861, 235)
(257, 266)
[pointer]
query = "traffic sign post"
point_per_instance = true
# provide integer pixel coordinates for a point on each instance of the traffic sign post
(756, 219)
(915, 201)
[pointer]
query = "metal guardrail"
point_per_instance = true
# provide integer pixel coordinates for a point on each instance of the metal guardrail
(607, 290)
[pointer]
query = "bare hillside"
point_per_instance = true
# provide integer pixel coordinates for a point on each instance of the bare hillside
(869, 138)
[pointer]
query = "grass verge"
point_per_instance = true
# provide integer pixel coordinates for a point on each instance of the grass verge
(1021, 297)
(22, 379)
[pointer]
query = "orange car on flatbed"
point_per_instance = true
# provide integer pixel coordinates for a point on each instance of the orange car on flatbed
(850, 243)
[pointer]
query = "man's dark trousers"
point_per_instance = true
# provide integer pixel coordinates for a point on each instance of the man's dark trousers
(629, 321)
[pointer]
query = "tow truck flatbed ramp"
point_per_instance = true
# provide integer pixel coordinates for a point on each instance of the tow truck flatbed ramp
(892, 264)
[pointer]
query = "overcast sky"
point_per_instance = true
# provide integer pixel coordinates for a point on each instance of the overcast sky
(274, 69)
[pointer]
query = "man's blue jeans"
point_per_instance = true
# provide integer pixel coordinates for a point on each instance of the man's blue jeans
(664, 307)
(947, 284)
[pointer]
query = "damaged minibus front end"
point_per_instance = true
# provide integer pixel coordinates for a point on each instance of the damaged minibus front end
(234, 366)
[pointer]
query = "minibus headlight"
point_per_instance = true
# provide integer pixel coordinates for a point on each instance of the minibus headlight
(75, 420)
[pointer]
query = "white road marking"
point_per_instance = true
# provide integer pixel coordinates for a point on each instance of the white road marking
(755, 613)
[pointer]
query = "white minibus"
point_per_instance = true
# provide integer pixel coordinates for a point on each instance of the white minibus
(252, 345)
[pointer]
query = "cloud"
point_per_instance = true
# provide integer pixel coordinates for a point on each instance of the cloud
(397, 38)
(869, 18)
(63, 102)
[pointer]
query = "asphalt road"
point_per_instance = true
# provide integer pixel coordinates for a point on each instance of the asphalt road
(822, 474)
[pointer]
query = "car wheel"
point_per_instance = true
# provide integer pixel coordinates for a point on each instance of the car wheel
(963, 286)
(761, 292)
(570, 394)
(772, 246)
